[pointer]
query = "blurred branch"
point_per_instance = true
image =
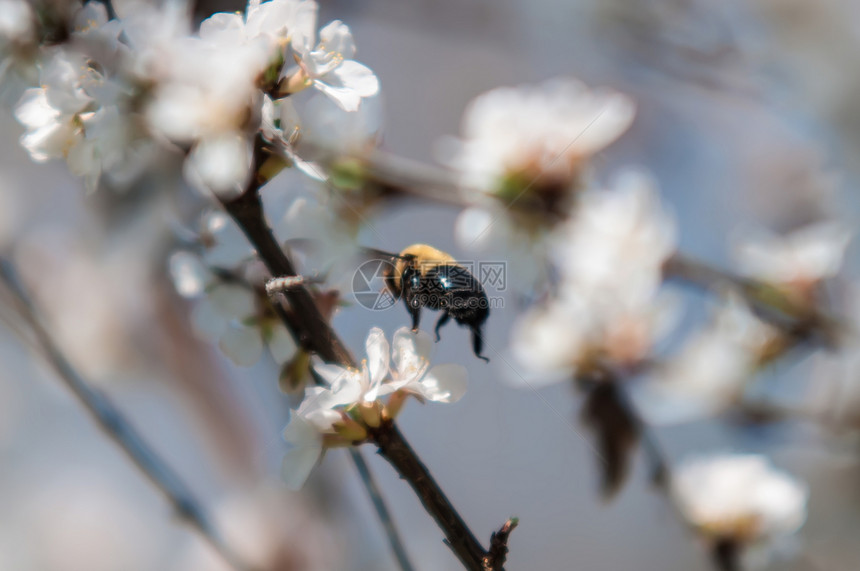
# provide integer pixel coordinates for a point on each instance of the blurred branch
(116, 425)
(772, 305)
(430, 182)
(381, 509)
(312, 330)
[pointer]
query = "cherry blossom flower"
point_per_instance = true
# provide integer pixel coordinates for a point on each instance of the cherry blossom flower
(740, 499)
(798, 261)
(17, 23)
(529, 146)
(522, 159)
(341, 412)
(18, 47)
(608, 303)
(51, 112)
(329, 67)
(709, 373)
(228, 310)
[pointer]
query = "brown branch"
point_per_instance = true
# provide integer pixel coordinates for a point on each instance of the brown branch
(495, 558)
(772, 305)
(311, 329)
(394, 448)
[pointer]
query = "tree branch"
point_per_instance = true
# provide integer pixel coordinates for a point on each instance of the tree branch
(118, 428)
(495, 558)
(309, 326)
(394, 448)
(800, 323)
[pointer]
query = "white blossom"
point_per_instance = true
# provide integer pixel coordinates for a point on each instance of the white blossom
(228, 311)
(412, 373)
(50, 133)
(522, 159)
(799, 259)
(208, 95)
(741, 498)
(607, 304)
(329, 67)
(341, 412)
(710, 372)
(514, 138)
(17, 23)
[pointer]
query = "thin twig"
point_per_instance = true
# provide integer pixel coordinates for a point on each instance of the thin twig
(117, 426)
(802, 323)
(381, 510)
(312, 330)
(394, 448)
(498, 553)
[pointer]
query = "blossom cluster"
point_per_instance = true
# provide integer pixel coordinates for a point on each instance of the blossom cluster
(115, 97)
(603, 310)
(740, 500)
(121, 92)
(349, 404)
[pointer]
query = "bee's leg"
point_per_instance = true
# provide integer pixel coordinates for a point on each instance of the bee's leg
(478, 343)
(415, 310)
(443, 319)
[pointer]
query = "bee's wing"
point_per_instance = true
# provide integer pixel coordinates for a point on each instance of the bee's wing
(374, 253)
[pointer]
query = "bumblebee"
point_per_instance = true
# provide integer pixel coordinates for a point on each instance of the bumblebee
(426, 277)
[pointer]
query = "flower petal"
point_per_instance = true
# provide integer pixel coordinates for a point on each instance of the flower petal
(357, 77)
(336, 37)
(411, 352)
(377, 356)
(188, 273)
(301, 459)
(221, 164)
(444, 383)
(347, 98)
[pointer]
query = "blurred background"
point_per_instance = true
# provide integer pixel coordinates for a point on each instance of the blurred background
(748, 114)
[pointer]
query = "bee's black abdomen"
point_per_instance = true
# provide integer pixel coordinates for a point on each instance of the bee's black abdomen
(450, 288)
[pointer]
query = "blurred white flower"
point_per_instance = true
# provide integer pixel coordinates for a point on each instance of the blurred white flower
(51, 113)
(228, 310)
(834, 389)
(92, 27)
(581, 331)
(739, 498)
(797, 261)
(207, 92)
(332, 239)
(17, 24)
(341, 412)
(710, 372)
(19, 49)
(328, 130)
(617, 239)
(272, 22)
(530, 144)
(81, 113)
(607, 305)
(50, 133)
(329, 67)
